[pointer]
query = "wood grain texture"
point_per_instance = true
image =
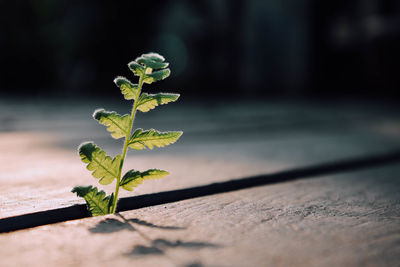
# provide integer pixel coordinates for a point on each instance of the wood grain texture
(347, 219)
(338, 220)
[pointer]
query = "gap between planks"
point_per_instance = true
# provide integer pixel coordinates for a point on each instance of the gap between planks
(130, 203)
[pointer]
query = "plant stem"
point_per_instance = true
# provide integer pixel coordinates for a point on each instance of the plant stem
(114, 207)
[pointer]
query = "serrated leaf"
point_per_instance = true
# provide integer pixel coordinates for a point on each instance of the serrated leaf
(134, 178)
(136, 68)
(104, 167)
(117, 125)
(154, 56)
(128, 89)
(151, 138)
(98, 203)
(156, 76)
(145, 64)
(150, 63)
(149, 101)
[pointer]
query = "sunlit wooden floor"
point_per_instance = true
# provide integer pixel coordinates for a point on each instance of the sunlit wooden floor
(344, 218)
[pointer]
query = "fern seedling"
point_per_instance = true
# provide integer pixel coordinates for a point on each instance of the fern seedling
(149, 68)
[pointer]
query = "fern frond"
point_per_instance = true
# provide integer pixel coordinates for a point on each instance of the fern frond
(117, 125)
(104, 167)
(134, 178)
(150, 101)
(128, 89)
(151, 138)
(98, 203)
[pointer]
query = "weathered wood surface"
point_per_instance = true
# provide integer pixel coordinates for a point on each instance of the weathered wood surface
(348, 219)
(339, 220)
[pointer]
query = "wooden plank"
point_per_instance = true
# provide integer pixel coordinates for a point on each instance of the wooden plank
(349, 219)
(39, 165)
(131, 203)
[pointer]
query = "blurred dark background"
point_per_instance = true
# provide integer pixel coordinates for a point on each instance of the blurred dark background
(263, 48)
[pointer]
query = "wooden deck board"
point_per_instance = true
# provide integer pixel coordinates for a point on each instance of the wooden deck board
(348, 219)
(337, 220)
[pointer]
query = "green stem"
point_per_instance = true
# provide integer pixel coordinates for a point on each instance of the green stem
(114, 207)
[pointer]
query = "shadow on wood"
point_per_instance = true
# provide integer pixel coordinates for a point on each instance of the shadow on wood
(137, 202)
(110, 225)
(158, 246)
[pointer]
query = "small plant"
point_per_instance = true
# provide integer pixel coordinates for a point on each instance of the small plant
(150, 68)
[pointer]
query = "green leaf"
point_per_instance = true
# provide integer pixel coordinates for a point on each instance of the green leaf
(136, 68)
(148, 101)
(128, 89)
(145, 64)
(117, 125)
(141, 139)
(103, 167)
(98, 203)
(156, 76)
(134, 178)
(150, 63)
(154, 56)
